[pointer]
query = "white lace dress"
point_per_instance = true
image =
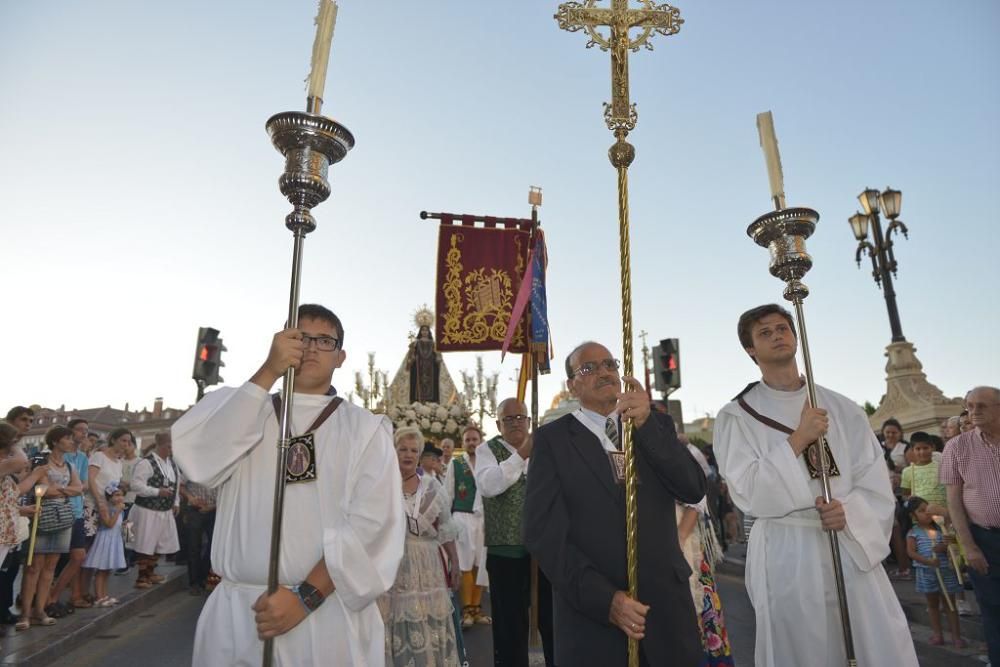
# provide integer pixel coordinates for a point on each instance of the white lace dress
(417, 610)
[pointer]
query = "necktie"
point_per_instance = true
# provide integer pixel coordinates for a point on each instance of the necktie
(611, 430)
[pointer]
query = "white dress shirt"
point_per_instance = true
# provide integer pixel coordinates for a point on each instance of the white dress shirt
(494, 478)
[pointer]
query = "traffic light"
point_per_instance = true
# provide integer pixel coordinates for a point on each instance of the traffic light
(208, 358)
(667, 365)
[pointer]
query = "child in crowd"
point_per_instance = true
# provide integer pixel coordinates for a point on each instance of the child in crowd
(921, 478)
(929, 550)
(108, 550)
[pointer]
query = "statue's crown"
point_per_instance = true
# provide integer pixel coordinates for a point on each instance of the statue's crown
(424, 317)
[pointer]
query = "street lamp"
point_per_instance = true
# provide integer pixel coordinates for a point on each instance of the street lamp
(883, 260)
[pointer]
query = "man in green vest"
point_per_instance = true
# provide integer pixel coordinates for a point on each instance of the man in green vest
(467, 510)
(501, 479)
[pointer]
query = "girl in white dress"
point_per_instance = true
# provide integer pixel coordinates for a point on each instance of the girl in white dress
(108, 551)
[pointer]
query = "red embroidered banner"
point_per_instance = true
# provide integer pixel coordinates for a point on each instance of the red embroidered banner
(479, 272)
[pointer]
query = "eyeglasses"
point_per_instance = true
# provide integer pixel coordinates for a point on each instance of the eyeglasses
(514, 419)
(323, 343)
(590, 367)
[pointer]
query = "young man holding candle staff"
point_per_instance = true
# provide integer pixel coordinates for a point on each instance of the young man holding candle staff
(343, 532)
(762, 444)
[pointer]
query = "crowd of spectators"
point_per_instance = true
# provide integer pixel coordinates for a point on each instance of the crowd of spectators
(82, 490)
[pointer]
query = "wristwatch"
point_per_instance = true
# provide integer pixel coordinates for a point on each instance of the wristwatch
(310, 596)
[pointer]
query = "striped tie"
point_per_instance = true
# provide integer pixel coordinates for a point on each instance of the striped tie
(611, 430)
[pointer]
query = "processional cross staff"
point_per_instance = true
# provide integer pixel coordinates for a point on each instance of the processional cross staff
(621, 117)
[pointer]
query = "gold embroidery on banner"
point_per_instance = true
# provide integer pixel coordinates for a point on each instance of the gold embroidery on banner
(488, 300)
(452, 287)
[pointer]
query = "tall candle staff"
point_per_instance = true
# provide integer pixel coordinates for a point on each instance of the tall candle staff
(40, 490)
(784, 232)
(310, 143)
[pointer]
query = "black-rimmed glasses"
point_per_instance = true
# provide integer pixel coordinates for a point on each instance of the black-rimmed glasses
(323, 343)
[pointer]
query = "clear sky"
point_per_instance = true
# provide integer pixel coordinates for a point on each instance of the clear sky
(140, 192)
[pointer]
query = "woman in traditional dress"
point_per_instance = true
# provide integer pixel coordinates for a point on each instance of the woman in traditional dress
(417, 610)
(702, 552)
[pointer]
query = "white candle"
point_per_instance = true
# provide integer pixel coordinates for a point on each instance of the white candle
(325, 22)
(769, 142)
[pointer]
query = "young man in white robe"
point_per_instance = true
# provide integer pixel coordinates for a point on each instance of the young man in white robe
(789, 571)
(343, 531)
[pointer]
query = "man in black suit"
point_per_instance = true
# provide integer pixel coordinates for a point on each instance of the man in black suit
(574, 523)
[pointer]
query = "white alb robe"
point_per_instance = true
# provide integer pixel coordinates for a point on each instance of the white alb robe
(789, 571)
(351, 517)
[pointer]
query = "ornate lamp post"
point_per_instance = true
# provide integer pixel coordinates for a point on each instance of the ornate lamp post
(909, 396)
(883, 259)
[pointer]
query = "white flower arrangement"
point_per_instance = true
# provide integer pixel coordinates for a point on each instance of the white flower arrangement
(435, 421)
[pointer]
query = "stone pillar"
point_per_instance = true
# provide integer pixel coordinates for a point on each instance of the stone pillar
(909, 397)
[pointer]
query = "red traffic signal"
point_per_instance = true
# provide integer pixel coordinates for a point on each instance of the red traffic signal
(667, 365)
(208, 357)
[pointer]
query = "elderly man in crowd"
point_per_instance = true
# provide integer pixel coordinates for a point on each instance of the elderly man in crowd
(157, 502)
(971, 470)
(501, 479)
(574, 522)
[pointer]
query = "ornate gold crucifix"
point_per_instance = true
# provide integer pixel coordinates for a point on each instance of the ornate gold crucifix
(650, 18)
(620, 115)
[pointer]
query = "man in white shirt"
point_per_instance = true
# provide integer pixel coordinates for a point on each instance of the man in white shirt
(501, 469)
(343, 531)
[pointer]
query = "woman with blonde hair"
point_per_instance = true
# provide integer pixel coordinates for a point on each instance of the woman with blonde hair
(417, 610)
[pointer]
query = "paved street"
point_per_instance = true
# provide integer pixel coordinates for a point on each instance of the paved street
(163, 636)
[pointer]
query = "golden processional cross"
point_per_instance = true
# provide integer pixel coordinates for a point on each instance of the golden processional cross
(647, 18)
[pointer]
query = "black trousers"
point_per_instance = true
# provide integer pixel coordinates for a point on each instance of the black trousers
(987, 587)
(8, 573)
(510, 599)
(198, 527)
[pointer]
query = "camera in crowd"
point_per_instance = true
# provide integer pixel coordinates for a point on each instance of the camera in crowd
(40, 459)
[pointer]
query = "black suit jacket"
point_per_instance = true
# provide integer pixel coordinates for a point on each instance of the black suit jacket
(574, 525)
